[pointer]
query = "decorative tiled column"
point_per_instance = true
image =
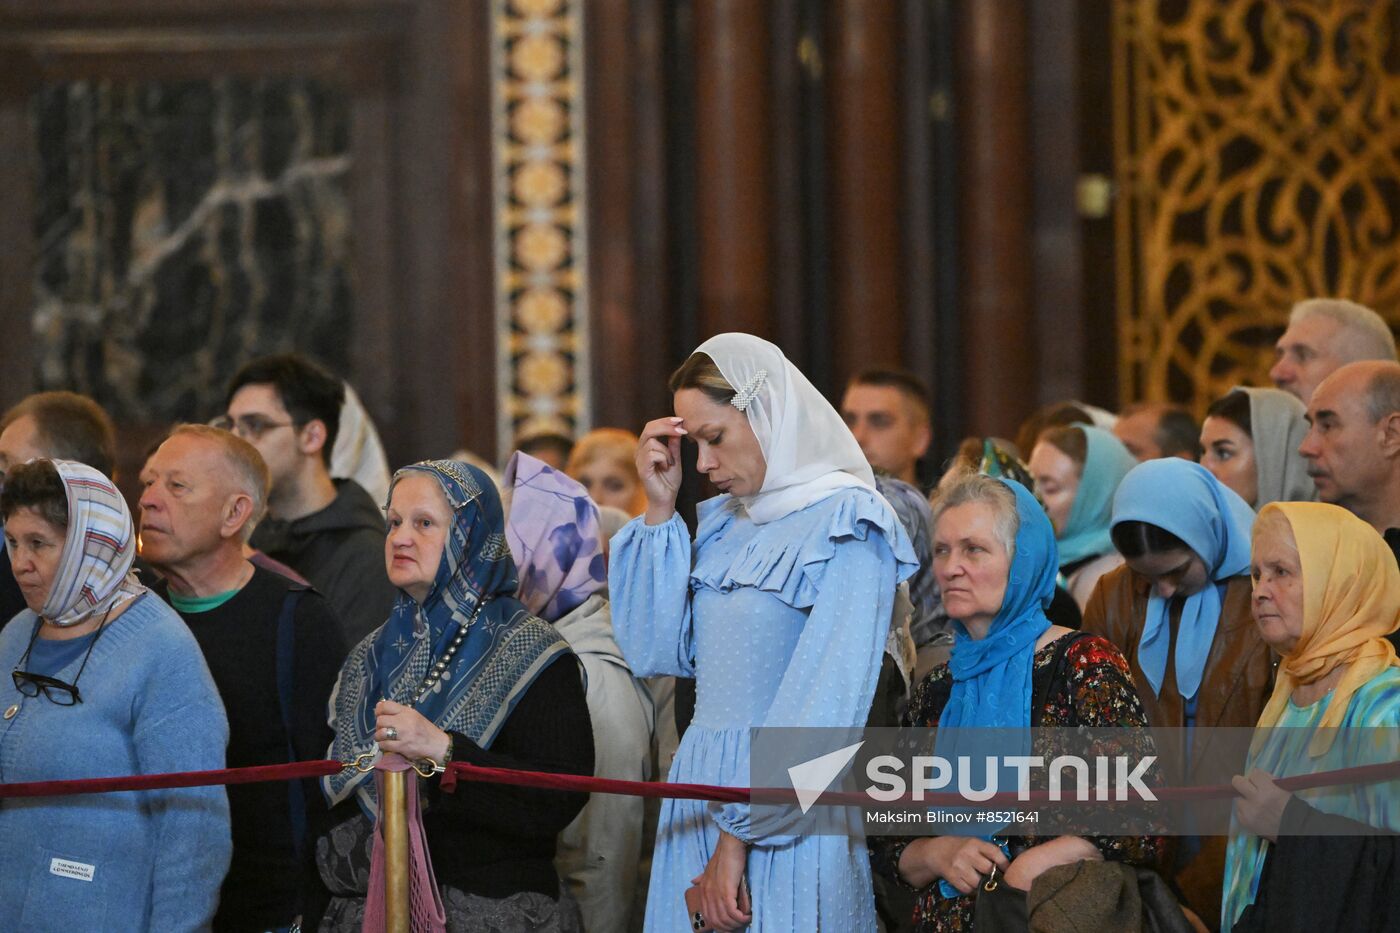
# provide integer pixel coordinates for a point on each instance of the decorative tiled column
(541, 247)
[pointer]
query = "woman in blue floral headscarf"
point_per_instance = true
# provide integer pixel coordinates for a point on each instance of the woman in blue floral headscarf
(461, 671)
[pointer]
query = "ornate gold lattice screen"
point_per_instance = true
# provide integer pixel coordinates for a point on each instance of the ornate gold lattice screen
(1257, 147)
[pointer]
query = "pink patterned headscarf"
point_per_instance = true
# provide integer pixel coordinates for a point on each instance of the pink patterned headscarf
(553, 533)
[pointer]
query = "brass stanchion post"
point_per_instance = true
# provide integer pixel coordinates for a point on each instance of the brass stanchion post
(396, 906)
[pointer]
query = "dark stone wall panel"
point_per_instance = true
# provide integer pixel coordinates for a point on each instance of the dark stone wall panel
(184, 227)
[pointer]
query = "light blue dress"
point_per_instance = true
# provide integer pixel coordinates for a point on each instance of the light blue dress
(781, 624)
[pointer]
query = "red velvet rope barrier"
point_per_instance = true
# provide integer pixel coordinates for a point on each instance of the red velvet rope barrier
(1365, 774)
(291, 772)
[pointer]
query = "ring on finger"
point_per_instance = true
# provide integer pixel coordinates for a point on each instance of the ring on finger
(391, 733)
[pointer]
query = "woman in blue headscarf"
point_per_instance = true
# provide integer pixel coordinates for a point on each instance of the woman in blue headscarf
(995, 559)
(1077, 469)
(1180, 611)
(461, 671)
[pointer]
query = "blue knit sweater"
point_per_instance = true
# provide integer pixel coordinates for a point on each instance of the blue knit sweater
(149, 860)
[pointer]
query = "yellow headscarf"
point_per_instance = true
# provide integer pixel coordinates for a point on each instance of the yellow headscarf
(1351, 601)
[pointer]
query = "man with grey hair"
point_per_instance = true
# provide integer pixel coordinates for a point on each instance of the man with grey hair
(1323, 334)
(273, 647)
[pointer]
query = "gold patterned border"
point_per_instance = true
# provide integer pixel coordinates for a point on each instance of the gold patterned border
(541, 245)
(1257, 159)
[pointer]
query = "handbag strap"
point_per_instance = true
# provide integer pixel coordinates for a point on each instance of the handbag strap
(286, 656)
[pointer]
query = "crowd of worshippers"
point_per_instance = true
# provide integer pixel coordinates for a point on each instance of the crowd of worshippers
(281, 596)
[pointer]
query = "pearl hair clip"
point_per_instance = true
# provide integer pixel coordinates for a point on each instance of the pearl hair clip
(745, 396)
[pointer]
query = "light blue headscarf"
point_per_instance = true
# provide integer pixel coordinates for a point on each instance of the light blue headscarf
(992, 677)
(1106, 462)
(1185, 499)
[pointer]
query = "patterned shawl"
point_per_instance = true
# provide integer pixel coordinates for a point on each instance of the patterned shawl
(553, 534)
(505, 649)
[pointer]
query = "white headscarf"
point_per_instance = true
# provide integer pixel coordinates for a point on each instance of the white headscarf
(358, 453)
(810, 453)
(1101, 417)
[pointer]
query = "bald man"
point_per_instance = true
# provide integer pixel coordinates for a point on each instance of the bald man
(1353, 442)
(1353, 446)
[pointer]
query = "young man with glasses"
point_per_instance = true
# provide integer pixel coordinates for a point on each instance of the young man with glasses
(328, 530)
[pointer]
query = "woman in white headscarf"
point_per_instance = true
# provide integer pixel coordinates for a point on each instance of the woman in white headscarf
(358, 453)
(779, 609)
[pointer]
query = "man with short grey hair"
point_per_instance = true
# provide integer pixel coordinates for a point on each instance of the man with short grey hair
(273, 646)
(1353, 446)
(1323, 334)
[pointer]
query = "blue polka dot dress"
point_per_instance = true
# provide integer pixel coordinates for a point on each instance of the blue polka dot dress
(781, 624)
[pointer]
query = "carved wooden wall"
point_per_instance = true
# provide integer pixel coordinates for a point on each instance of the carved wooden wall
(1257, 163)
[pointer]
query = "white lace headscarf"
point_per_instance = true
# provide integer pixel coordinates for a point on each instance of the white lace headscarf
(809, 451)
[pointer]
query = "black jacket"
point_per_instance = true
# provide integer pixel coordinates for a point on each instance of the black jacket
(340, 549)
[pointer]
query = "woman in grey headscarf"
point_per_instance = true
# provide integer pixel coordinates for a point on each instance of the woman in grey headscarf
(1250, 441)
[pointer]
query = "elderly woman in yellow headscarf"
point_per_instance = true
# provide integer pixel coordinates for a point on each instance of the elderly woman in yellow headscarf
(1326, 593)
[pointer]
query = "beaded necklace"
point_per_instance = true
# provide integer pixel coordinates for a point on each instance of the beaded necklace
(436, 671)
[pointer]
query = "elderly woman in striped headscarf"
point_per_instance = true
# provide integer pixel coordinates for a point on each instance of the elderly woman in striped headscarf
(106, 681)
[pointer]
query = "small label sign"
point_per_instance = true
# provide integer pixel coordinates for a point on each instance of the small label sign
(76, 870)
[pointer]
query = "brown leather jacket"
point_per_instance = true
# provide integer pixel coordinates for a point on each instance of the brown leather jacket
(1238, 679)
(1239, 674)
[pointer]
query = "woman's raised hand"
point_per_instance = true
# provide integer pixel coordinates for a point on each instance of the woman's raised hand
(659, 466)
